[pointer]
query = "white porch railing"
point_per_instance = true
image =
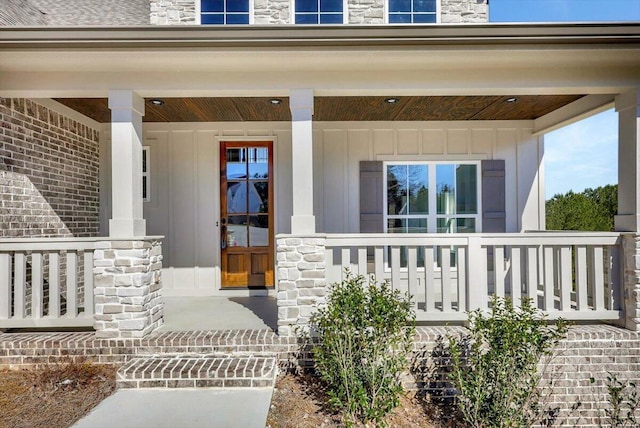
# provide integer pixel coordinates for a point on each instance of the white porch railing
(46, 282)
(574, 275)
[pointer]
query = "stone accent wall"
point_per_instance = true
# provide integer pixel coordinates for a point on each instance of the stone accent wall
(48, 173)
(464, 11)
(301, 281)
(20, 12)
(128, 286)
(631, 278)
(366, 11)
(173, 12)
(272, 11)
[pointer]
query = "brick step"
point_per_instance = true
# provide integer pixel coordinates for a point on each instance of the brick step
(199, 371)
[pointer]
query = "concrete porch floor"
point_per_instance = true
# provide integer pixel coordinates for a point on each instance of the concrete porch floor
(219, 313)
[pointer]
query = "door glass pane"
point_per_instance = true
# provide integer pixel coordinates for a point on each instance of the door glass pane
(417, 225)
(258, 196)
(237, 231)
(237, 197)
(236, 163)
(258, 163)
(445, 189)
(418, 183)
(259, 230)
(466, 189)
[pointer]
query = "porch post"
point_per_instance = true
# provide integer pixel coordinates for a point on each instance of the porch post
(301, 103)
(628, 108)
(127, 109)
(628, 218)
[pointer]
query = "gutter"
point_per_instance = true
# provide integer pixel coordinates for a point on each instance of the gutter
(625, 34)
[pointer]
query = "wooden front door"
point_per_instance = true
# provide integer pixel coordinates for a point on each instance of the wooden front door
(246, 214)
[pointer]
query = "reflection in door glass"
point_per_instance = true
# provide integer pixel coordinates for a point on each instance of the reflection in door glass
(259, 197)
(237, 197)
(237, 231)
(258, 162)
(236, 163)
(259, 230)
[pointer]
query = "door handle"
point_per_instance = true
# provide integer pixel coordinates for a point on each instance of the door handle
(223, 237)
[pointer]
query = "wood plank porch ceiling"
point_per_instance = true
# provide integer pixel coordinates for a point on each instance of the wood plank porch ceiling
(359, 108)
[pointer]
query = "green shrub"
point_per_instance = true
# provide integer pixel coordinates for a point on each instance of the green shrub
(624, 402)
(494, 368)
(364, 335)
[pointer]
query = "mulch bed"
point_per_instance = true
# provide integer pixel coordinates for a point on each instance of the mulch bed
(56, 396)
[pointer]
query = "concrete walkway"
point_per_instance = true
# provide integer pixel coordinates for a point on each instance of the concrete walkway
(184, 408)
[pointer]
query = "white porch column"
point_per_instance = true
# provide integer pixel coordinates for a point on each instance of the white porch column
(127, 109)
(301, 103)
(628, 108)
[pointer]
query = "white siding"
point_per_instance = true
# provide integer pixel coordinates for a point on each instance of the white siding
(185, 206)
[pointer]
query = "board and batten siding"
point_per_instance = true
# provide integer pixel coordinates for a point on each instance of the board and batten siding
(184, 205)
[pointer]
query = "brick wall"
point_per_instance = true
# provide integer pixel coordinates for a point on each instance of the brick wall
(48, 173)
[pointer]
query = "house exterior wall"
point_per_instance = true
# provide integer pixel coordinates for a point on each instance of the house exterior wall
(48, 172)
(94, 12)
(184, 165)
(179, 12)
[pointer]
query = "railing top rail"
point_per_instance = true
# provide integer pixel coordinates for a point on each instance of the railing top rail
(60, 243)
(515, 239)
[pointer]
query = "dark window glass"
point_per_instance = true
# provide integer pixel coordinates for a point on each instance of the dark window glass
(216, 19)
(238, 6)
(212, 6)
(424, 18)
(399, 5)
(330, 18)
(330, 5)
(306, 5)
(306, 19)
(400, 19)
(237, 19)
(424, 5)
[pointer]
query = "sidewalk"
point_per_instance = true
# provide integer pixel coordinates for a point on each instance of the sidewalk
(182, 407)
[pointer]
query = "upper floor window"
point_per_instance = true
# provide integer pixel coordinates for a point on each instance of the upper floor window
(224, 12)
(319, 11)
(412, 11)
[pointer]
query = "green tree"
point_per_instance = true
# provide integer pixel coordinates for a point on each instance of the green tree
(591, 210)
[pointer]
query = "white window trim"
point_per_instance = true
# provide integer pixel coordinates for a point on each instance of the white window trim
(438, 13)
(345, 12)
(432, 217)
(146, 150)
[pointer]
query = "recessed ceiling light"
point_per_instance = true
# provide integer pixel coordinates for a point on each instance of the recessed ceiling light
(511, 100)
(156, 102)
(391, 100)
(275, 101)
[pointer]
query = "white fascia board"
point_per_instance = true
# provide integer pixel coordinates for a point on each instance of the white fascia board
(578, 110)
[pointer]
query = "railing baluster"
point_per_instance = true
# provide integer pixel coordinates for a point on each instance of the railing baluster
(565, 278)
(615, 278)
(88, 283)
(549, 294)
(362, 261)
(445, 253)
(332, 275)
(72, 284)
(395, 268)
(412, 267)
(582, 298)
(345, 260)
(5, 285)
(498, 270)
(516, 276)
(36, 285)
(54, 284)
(598, 273)
(429, 280)
(378, 260)
(462, 279)
(19, 284)
(532, 274)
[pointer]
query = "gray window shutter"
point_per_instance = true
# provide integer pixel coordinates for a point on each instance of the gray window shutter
(494, 218)
(371, 209)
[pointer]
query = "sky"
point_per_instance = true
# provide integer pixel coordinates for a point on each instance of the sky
(582, 155)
